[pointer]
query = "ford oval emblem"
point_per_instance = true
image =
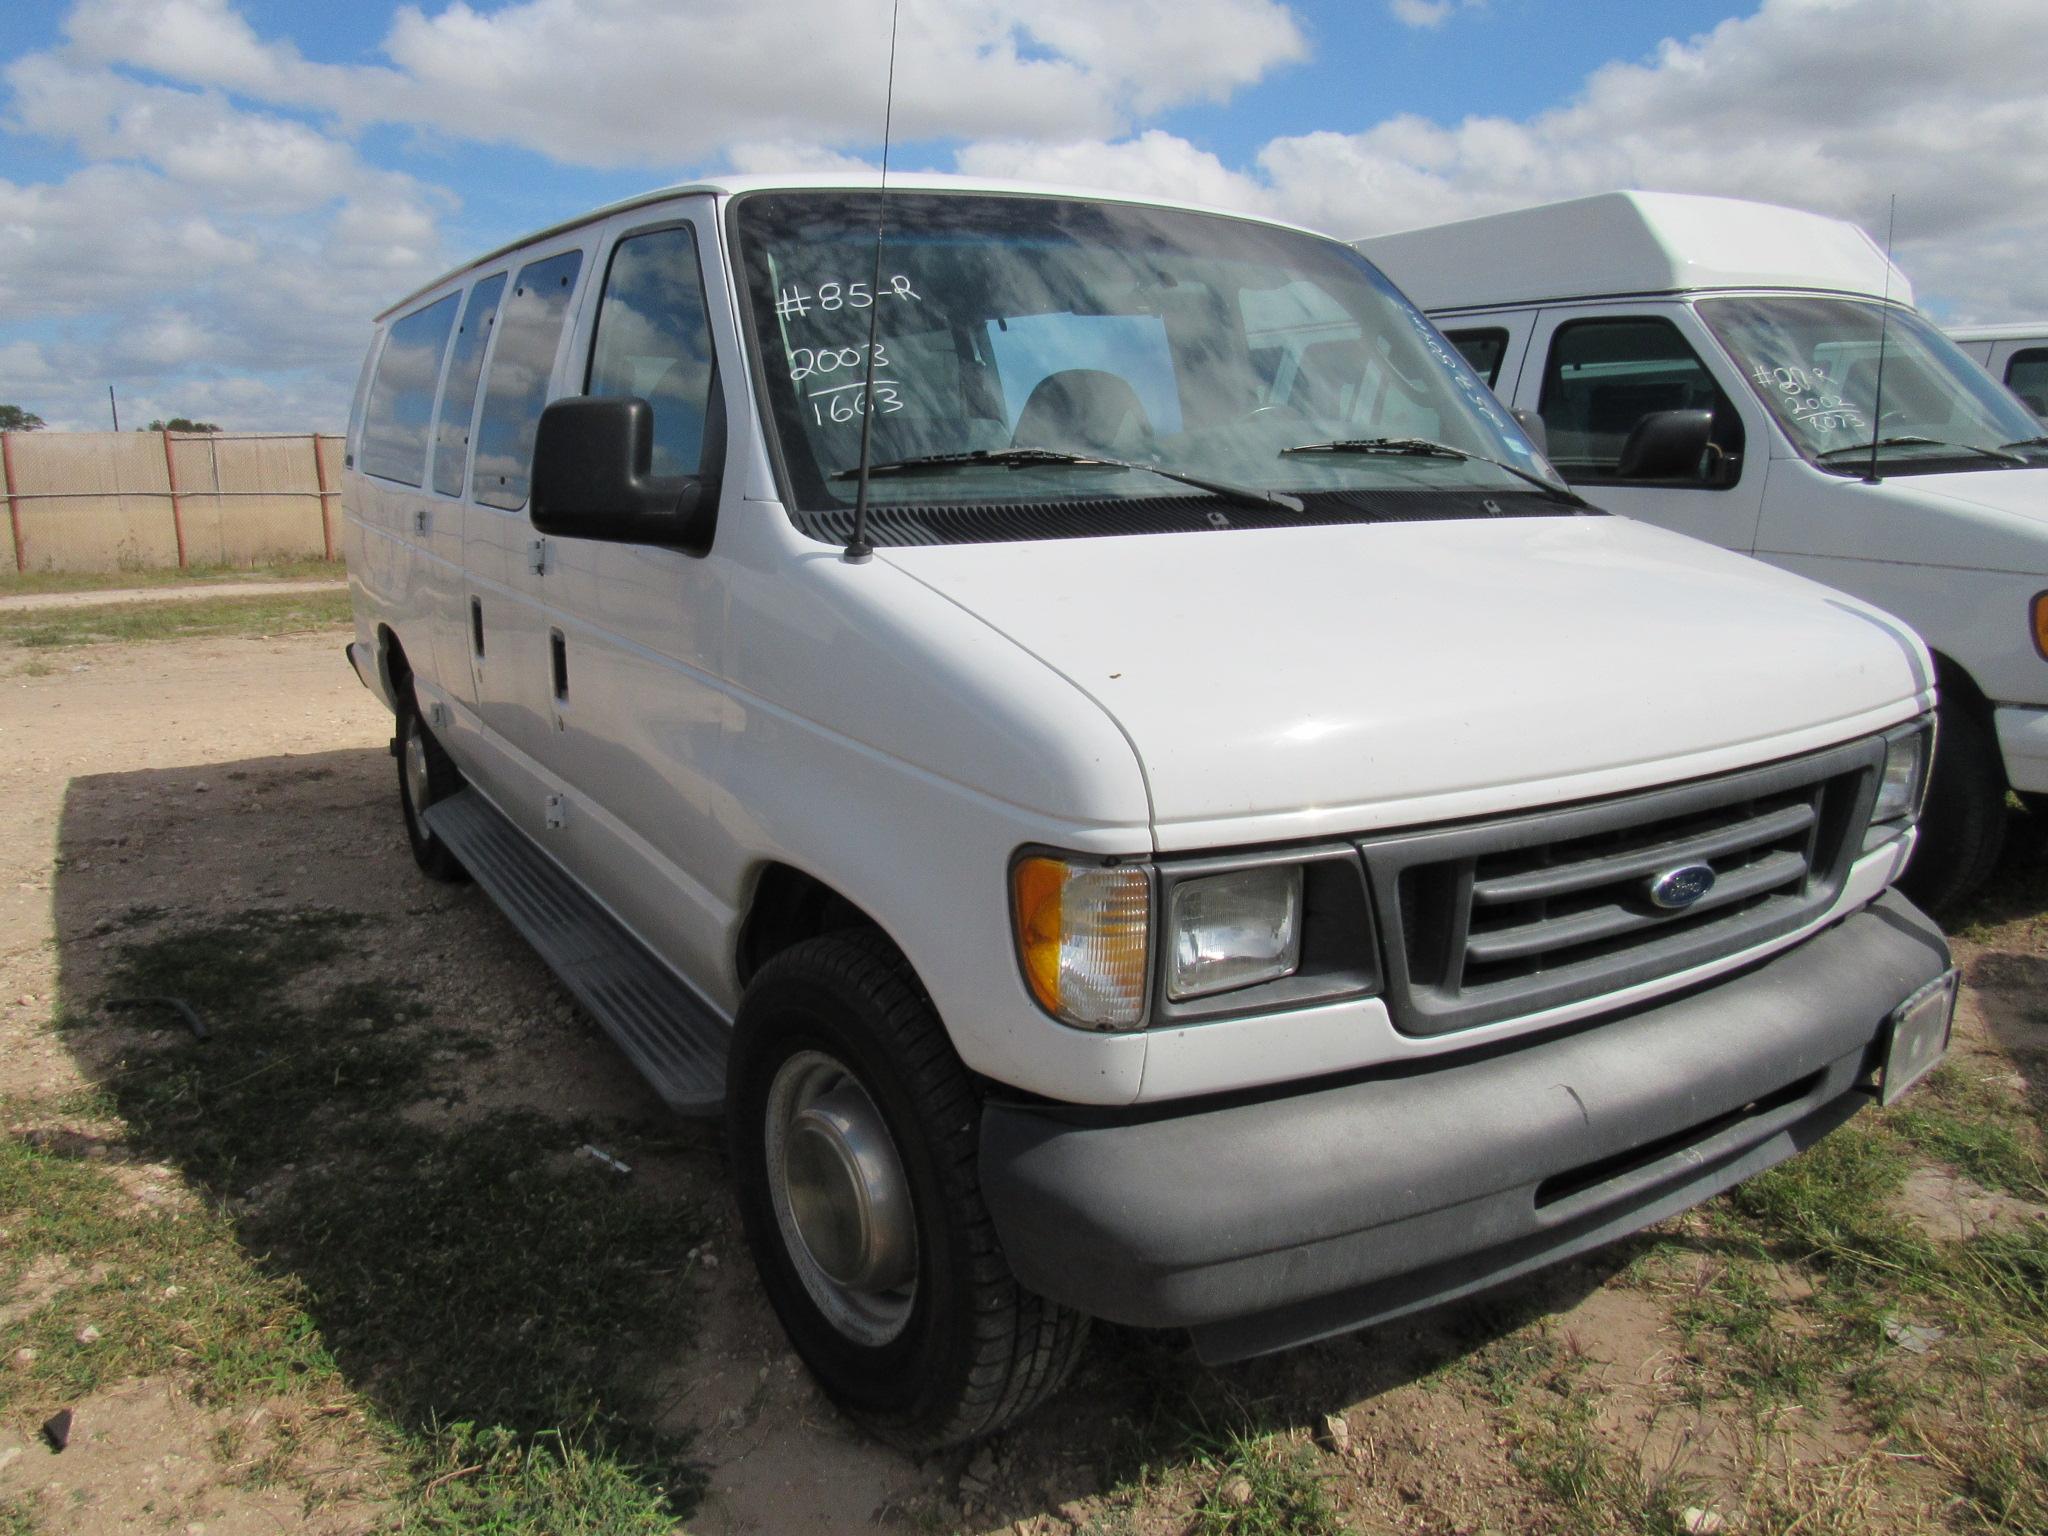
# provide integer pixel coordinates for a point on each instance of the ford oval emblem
(1676, 889)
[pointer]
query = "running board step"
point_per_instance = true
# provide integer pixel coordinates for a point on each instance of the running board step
(664, 1028)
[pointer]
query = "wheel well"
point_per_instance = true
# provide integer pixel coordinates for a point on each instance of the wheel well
(790, 906)
(397, 670)
(1952, 680)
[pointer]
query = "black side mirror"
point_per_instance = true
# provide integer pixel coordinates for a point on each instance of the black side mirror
(1666, 445)
(1532, 425)
(591, 480)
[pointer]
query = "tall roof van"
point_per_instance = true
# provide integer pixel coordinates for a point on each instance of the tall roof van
(1083, 730)
(2015, 354)
(1757, 377)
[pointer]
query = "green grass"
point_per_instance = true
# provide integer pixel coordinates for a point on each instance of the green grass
(1976, 1406)
(1597, 1490)
(487, 1301)
(1263, 1486)
(1981, 1129)
(16, 583)
(53, 628)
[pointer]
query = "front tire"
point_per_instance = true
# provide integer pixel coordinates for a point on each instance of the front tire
(1962, 829)
(854, 1132)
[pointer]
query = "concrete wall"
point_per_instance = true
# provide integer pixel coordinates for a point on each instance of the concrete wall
(108, 501)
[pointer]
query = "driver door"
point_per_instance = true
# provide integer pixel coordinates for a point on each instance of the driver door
(1595, 373)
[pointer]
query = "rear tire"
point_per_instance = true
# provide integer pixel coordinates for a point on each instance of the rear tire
(1962, 829)
(954, 1348)
(425, 774)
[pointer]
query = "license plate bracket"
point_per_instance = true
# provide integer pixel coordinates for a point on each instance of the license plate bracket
(1916, 1036)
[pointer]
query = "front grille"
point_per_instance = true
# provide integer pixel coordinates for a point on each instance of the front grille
(1493, 919)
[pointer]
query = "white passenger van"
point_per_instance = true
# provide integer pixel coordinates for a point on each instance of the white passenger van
(2015, 354)
(1713, 366)
(1246, 850)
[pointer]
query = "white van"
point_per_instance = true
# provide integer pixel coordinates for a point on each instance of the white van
(1712, 365)
(1245, 850)
(2015, 354)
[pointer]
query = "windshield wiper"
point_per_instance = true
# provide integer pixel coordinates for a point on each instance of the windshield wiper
(2026, 442)
(1429, 448)
(1910, 441)
(1033, 458)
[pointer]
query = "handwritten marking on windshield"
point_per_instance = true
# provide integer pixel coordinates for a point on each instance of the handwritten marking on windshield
(832, 297)
(1810, 398)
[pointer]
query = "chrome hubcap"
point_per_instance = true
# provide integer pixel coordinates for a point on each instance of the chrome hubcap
(416, 780)
(840, 1198)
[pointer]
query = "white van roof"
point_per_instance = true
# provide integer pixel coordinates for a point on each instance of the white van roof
(1631, 242)
(2010, 330)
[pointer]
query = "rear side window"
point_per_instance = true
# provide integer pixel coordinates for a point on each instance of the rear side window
(401, 400)
(1604, 376)
(652, 341)
(1483, 349)
(2026, 375)
(458, 396)
(529, 330)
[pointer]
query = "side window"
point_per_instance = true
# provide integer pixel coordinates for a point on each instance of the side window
(529, 329)
(458, 396)
(1483, 349)
(2026, 375)
(401, 399)
(652, 341)
(1605, 377)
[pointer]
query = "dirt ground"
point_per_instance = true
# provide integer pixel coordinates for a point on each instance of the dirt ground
(207, 777)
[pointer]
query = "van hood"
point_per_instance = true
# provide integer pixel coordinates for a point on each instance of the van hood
(2020, 493)
(1293, 682)
(1988, 519)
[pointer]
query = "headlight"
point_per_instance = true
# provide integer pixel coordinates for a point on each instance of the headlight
(2037, 615)
(1233, 930)
(1905, 775)
(1084, 939)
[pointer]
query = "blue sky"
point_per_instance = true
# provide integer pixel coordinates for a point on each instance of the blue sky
(204, 200)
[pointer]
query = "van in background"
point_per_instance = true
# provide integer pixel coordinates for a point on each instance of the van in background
(2014, 354)
(1712, 365)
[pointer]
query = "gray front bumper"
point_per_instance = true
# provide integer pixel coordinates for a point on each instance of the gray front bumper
(1269, 1222)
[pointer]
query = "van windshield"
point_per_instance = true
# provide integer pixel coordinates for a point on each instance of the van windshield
(1813, 362)
(1196, 343)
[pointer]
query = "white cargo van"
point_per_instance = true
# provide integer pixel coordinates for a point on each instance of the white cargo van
(2015, 354)
(1712, 366)
(1246, 850)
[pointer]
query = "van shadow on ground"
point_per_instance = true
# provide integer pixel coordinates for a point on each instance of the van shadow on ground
(390, 1104)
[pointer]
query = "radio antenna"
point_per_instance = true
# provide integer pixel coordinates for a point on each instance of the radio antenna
(858, 550)
(1884, 315)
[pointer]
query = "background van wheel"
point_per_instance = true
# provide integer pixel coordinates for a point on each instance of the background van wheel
(854, 1131)
(425, 774)
(1963, 826)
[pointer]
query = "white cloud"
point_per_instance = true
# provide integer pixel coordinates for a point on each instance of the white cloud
(1156, 164)
(1428, 14)
(1823, 104)
(659, 83)
(201, 243)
